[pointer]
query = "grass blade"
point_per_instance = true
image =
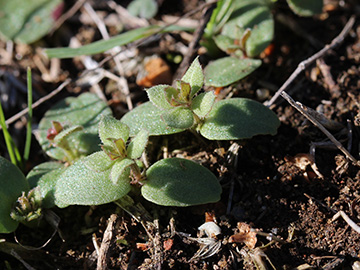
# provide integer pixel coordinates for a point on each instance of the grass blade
(103, 45)
(30, 114)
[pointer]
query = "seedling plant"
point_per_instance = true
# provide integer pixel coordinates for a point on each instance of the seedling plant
(98, 164)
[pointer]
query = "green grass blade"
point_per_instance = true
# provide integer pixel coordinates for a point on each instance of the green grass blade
(119, 40)
(30, 114)
(103, 45)
(8, 140)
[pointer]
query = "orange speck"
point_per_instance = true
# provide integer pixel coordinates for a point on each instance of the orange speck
(158, 72)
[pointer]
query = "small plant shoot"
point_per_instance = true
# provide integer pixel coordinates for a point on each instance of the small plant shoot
(174, 110)
(69, 130)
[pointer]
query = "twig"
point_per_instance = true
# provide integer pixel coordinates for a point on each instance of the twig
(67, 15)
(325, 71)
(196, 38)
(37, 103)
(304, 64)
(351, 223)
(108, 238)
(303, 110)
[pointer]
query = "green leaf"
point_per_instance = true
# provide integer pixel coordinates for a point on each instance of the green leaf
(306, 8)
(256, 16)
(84, 110)
(61, 138)
(111, 128)
(143, 8)
(26, 21)
(147, 116)
(228, 70)
(45, 176)
(202, 104)
(99, 162)
(239, 118)
(118, 171)
(180, 182)
(179, 117)
(160, 94)
(226, 44)
(137, 145)
(103, 45)
(13, 183)
(194, 76)
(81, 185)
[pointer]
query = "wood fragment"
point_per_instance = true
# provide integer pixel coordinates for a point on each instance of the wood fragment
(108, 240)
(351, 223)
(193, 44)
(325, 71)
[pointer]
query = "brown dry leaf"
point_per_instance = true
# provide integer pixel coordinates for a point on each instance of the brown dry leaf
(303, 160)
(245, 235)
(158, 72)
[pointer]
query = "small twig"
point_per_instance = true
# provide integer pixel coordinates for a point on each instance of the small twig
(37, 103)
(325, 71)
(303, 110)
(319, 202)
(351, 223)
(304, 64)
(67, 15)
(196, 38)
(108, 238)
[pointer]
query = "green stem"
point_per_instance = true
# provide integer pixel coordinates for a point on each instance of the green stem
(8, 140)
(30, 114)
(136, 172)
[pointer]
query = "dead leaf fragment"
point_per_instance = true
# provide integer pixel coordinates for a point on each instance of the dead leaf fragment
(158, 72)
(245, 235)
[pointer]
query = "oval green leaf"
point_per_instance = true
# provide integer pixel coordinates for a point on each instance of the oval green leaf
(239, 118)
(147, 116)
(111, 128)
(118, 170)
(157, 95)
(179, 118)
(306, 8)
(81, 185)
(202, 104)
(13, 183)
(180, 182)
(84, 110)
(228, 70)
(137, 145)
(194, 76)
(26, 21)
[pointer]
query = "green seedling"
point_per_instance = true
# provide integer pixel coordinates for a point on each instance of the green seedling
(108, 175)
(243, 29)
(69, 130)
(174, 110)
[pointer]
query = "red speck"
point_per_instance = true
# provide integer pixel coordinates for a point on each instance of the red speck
(57, 11)
(168, 243)
(51, 133)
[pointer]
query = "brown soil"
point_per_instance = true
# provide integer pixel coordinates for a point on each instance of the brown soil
(263, 183)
